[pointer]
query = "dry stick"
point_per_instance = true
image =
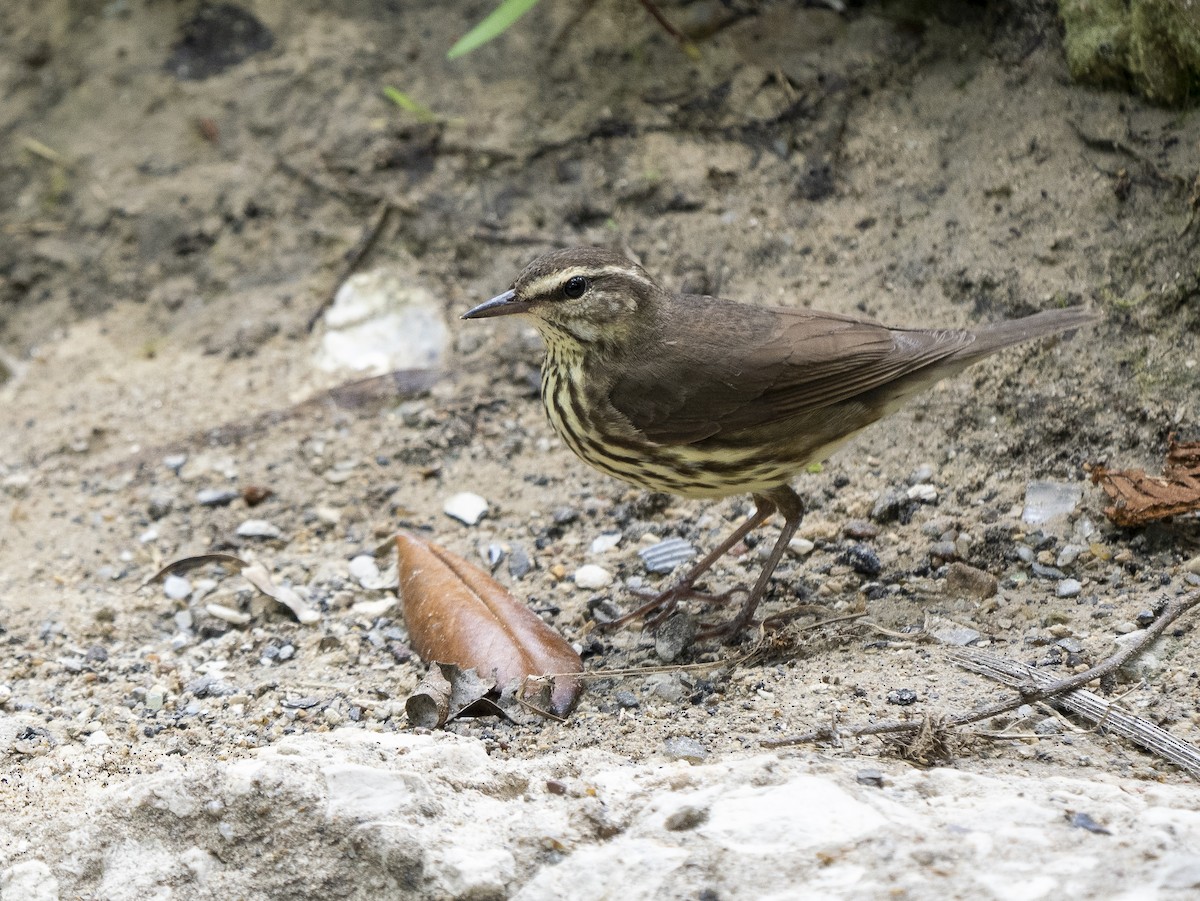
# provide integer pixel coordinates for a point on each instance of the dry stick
(684, 41)
(357, 255)
(1090, 706)
(1030, 693)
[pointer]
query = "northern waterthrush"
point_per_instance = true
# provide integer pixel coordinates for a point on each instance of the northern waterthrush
(704, 397)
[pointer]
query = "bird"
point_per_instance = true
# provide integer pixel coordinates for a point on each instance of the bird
(704, 397)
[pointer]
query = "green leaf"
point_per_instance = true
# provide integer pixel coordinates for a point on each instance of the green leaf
(402, 100)
(499, 21)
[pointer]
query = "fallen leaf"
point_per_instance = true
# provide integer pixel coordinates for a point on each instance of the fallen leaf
(457, 613)
(448, 692)
(1139, 498)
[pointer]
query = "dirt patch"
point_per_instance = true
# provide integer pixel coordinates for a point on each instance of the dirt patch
(166, 242)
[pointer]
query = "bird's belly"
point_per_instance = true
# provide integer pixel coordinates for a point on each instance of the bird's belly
(737, 464)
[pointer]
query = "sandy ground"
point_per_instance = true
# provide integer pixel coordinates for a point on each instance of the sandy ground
(165, 242)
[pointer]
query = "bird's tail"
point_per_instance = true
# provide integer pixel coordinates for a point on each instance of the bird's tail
(995, 337)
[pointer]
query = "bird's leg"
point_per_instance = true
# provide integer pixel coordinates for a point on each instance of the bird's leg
(788, 503)
(664, 604)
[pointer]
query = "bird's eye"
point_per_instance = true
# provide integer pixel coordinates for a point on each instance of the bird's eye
(574, 287)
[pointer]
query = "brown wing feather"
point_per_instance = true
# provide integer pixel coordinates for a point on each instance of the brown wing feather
(720, 373)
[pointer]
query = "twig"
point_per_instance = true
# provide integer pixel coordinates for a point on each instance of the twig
(1106, 714)
(365, 244)
(685, 43)
(1031, 692)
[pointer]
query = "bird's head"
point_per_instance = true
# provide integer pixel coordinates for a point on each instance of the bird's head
(583, 294)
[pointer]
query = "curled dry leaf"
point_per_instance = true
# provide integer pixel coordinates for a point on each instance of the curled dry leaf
(457, 613)
(254, 573)
(1139, 498)
(448, 692)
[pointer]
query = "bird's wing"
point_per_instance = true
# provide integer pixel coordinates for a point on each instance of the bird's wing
(721, 367)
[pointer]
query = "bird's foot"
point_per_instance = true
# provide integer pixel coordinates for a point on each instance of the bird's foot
(660, 606)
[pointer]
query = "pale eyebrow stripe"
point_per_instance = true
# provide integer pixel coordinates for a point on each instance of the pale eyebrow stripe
(548, 283)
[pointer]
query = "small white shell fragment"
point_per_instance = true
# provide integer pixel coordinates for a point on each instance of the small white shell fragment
(801, 547)
(605, 542)
(923, 492)
(258, 528)
(666, 555)
(466, 506)
(592, 576)
(374, 608)
(228, 614)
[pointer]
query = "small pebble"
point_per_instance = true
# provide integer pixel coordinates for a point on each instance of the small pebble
(924, 493)
(800, 547)
(863, 560)
(363, 568)
(606, 542)
(860, 530)
(1068, 555)
(674, 637)
(888, 506)
(174, 462)
(1068, 588)
(681, 747)
(519, 563)
(591, 576)
(626, 699)
(227, 614)
(1047, 572)
(216, 497)
(1046, 501)
(871, 777)
(922, 473)
(466, 506)
(258, 528)
(1193, 565)
(176, 587)
(904, 697)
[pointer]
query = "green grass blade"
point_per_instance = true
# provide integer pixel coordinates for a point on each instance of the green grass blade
(499, 21)
(402, 100)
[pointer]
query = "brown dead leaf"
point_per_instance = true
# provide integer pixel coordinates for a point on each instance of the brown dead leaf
(448, 692)
(457, 613)
(1139, 498)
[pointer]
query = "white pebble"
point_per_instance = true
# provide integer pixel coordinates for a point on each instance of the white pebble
(364, 568)
(1068, 588)
(176, 587)
(801, 547)
(606, 542)
(228, 614)
(151, 534)
(592, 576)
(466, 506)
(258, 528)
(923, 492)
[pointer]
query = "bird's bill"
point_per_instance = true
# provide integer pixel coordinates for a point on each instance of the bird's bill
(501, 305)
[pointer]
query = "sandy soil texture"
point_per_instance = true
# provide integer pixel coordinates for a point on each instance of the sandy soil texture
(166, 239)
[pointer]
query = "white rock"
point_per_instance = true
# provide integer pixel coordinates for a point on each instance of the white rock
(1068, 588)
(228, 614)
(592, 576)
(29, 880)
(923, 492)
(380, 322)
(373, 608)
(801, 547)
(176, 587)
(363, 568)
(466, 507)
(605, 542)
(258, 528)
(1049, 501)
